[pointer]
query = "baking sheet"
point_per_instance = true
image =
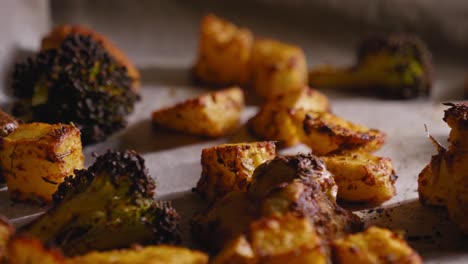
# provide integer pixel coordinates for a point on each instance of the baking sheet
(174, 159)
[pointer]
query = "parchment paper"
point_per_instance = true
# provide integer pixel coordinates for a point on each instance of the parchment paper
(174, 159)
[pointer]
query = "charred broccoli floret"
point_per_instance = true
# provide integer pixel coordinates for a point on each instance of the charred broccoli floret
(78, 82)
(109, 205)
(394, 67)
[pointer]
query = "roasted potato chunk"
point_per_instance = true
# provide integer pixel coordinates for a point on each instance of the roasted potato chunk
(223, 52)
(287, 184)
(55, 38)
(280, 118)
(286, 239)
(444, 181)
(37, 157)
(375, 245)
(213, 115)
(326, 133)
(6, 231)
(229, 167)
(362, 177)
(26, 250)
(224, 220)
(277, 68)
(237, 251)
(143, 255)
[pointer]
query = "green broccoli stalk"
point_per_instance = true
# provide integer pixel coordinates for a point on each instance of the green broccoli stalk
(79, 82)
(109, 205)
(394, 67)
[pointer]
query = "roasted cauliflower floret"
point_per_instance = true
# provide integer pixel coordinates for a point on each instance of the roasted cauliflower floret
(302, 185)
(276, 68)
(375, 245)
(287, 184)
(394, 66)
(362, 177)
(285, 169)
(229, 167)
(213, 115)
(109, 205)
(325, 133)
(55, 38)
(223, 52)
(37, 157)
(444, 181)
(79, 82)
(280, 118)
(143, 255)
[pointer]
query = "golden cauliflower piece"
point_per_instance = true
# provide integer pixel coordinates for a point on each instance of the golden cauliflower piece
(55, 38)
(27, 250)
(277, 68)
(143, 255)
(36, 158)
(326, 133)
(444, 181)
(280, 118)
(223, 52)
(362, 177)
(214, 114)
(375, 245)
(229, 167)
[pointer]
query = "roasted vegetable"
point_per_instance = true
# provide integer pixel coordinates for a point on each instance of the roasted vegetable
(213, 114)
(286, 239)
(283, 239)
(229, 167)
(36, 158)
(276, 68)
(77, 82)
(362, 177)
(375, 245)
(224, 220)
(393, 66)
(143, 255)
(8, 124)
(300, 185)
(326, 133)
(6, 232)
(223, 53)
(280, 118)
(27, 250)
(56, 37)
(237, 251)
(444, 181)
(109, 205)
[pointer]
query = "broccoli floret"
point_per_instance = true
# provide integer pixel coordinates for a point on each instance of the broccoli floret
(394, 67)
(78, 82)
(109, 205)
